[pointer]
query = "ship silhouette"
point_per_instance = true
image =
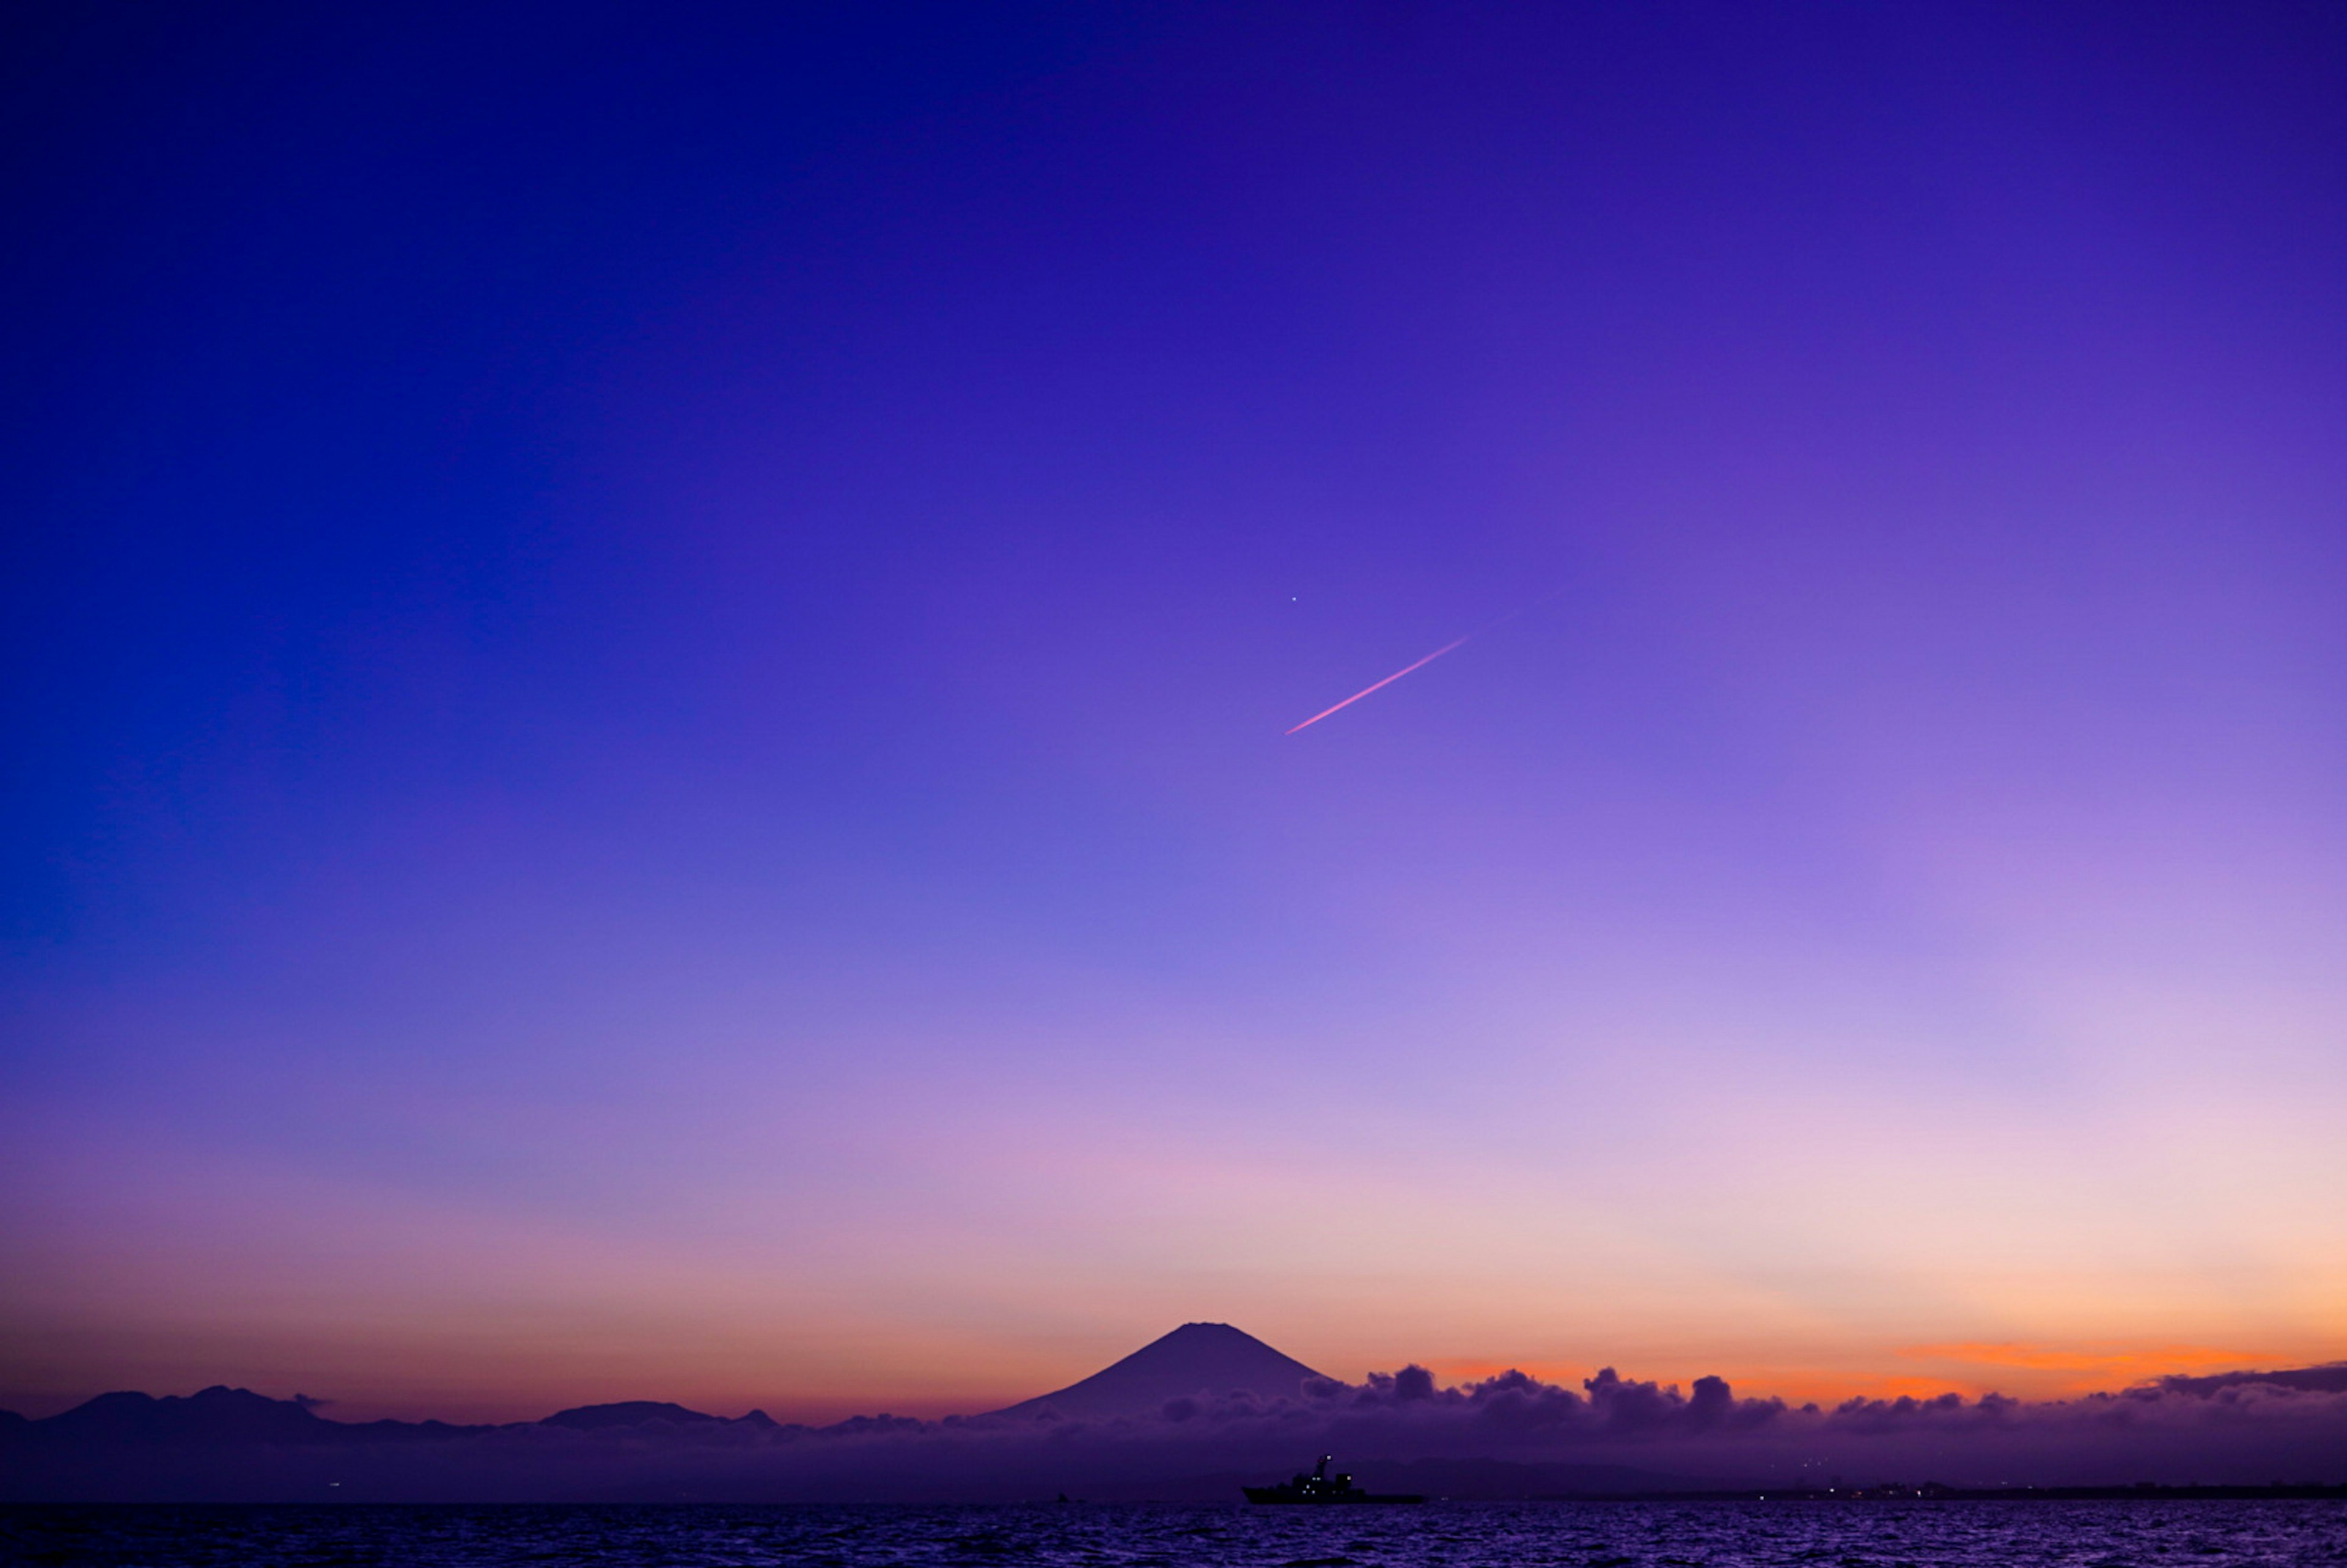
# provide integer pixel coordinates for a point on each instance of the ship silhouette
(1322, 1489)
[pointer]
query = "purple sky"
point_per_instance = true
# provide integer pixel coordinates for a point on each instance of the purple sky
(649, 657)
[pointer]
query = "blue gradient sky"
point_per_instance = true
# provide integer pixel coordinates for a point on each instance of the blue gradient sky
(649, 657)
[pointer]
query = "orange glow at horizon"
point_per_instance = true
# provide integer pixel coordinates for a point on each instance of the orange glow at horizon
(1974, 1369)
(2095, 1367)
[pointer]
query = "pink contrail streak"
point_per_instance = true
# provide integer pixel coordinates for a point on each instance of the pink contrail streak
(1386, 682)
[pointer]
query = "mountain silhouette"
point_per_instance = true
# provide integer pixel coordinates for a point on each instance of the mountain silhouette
(626, 1414)
(217, 1415)
(1197, 1360)
(637, 1412)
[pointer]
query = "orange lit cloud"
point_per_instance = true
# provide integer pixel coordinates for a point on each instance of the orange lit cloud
(2080, 1369)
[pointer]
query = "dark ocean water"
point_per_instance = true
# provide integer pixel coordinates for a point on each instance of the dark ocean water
(1584, 1536)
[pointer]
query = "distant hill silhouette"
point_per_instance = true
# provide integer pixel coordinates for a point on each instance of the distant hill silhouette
(217, 1414)
(638, 1412)
(222, 1416)
(626, 1414)
(1195, 1360)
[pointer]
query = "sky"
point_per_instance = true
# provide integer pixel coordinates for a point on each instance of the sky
(649, 656)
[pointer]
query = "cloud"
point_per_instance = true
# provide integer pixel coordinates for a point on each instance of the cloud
(2330, 1379)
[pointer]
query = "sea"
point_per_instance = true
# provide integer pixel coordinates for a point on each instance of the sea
(1878, 1535)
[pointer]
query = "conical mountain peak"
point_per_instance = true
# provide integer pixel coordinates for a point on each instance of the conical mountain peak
(1197, 1360)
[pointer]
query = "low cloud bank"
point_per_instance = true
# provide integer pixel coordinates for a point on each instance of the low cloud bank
(1512, 1435)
